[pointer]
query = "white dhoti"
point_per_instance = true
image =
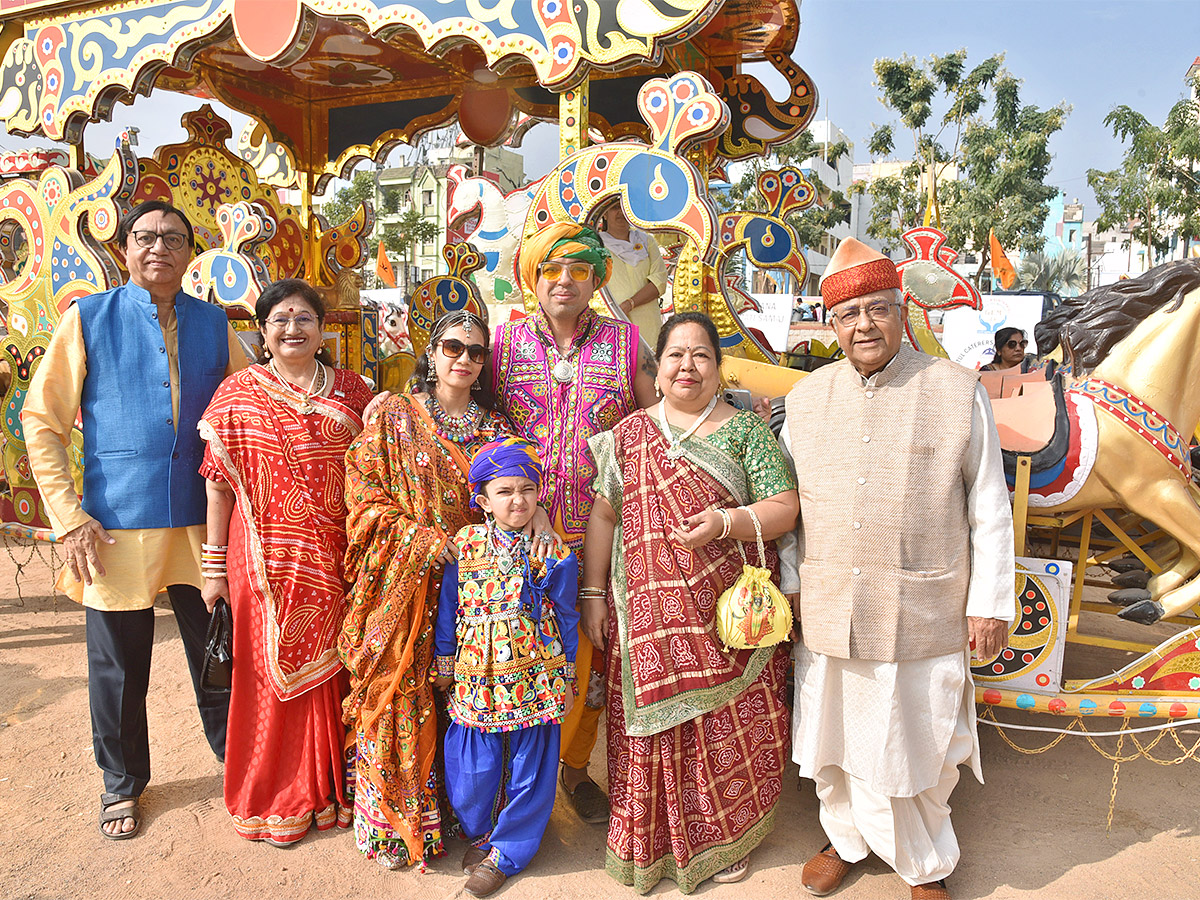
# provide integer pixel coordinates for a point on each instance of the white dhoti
(883, 742)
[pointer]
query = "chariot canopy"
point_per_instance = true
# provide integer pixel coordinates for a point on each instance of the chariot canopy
(337, 81)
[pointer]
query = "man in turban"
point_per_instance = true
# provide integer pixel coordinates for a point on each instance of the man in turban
(563, 375)
(905, 553)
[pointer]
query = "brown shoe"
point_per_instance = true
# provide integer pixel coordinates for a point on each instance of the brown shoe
(824, 872)
(486, 879)
(933, 890)
(473, 857)
(587, 800)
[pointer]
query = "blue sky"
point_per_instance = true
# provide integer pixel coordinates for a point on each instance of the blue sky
(1094, 54)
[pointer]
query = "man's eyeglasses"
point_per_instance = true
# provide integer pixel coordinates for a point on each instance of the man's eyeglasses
(453, 349)
(876, 312)
(579, 271)
(174, 240)
(1013, 345)
(304, 320)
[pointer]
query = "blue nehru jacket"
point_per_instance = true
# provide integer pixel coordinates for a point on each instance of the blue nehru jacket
(139, 469)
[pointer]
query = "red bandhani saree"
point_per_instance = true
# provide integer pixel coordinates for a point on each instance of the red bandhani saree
(406, 490)
(697, 736)
(284, 752)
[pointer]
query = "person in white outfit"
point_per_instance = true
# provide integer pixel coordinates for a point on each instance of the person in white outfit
(639, 275)
(902, 560)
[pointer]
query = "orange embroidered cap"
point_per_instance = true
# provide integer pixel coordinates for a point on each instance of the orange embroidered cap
(856, 269)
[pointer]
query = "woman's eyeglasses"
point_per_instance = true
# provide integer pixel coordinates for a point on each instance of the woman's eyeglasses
(303, 321)
(1013, 345)
(453, 349)
(579, 271)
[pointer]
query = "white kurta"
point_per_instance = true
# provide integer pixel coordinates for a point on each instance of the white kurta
(899, 729)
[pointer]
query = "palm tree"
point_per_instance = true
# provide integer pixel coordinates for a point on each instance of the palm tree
(1064, 274)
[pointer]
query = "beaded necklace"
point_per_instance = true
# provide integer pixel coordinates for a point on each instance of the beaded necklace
(459, 429)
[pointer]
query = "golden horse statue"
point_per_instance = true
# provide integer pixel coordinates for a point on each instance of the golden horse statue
(1122, 425)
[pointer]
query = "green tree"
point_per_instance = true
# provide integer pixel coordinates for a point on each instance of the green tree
(1157, 186)
(998, 145)
(1064, 274)
(401, 238)
(346, 200)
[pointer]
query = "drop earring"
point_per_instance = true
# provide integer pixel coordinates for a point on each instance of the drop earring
(431, 378)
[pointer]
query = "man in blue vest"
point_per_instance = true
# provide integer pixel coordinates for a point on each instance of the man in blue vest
(139, 364)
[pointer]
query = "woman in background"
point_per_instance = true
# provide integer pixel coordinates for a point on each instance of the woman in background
(639, 276)
(1009, 351)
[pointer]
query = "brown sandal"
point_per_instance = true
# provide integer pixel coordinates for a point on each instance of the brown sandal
(109, 814)
(588, 801)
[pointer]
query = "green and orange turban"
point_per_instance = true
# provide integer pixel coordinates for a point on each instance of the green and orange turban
(564, 240)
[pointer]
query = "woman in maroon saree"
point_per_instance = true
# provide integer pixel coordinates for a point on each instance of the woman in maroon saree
(697, 736)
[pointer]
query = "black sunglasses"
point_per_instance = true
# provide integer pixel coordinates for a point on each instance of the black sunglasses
(453, 349)
(1015, 344)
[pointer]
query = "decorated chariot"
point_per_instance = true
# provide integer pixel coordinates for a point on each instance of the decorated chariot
(331, 83)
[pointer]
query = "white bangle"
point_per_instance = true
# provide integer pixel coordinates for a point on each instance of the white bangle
(726, 524)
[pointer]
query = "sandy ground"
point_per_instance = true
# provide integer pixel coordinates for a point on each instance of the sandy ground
(1037, 828)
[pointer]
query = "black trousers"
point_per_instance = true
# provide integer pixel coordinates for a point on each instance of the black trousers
(118, 647)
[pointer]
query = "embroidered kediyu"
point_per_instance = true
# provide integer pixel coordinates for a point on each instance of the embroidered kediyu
(507, 653)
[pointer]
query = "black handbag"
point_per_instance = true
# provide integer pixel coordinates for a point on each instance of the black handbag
(216, 675)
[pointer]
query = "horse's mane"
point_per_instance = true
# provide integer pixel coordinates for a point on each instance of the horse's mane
(1090, 325)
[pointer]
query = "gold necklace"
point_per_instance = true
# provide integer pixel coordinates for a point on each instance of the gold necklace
(305, 407)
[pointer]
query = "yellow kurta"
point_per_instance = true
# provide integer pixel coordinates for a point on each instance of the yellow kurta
(142, 561)
(628, 279)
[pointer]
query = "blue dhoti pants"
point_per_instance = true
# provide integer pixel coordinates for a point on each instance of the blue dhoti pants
(501, 786)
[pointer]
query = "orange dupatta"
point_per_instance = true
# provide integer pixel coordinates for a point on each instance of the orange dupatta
(406, 493)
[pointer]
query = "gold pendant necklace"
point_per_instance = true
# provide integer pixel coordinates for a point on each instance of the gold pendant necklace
(305, 407)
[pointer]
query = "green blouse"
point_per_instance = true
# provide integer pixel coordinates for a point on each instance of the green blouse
(750, 441)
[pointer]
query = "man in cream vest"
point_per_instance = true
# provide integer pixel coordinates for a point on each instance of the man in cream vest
(904, 555)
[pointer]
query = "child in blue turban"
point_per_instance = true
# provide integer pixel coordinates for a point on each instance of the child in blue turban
(505, 642)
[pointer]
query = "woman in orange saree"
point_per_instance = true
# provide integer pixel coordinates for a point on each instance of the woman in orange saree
(407, 493)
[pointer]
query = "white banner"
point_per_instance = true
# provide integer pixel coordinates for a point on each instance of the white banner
(774, 320)
(383, 297)
(968, 335)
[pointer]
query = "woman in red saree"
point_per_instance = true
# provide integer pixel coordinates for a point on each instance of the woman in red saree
(697, 736)
(277, 435)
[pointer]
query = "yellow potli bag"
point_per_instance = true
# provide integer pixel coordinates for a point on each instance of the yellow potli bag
(753, 612)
